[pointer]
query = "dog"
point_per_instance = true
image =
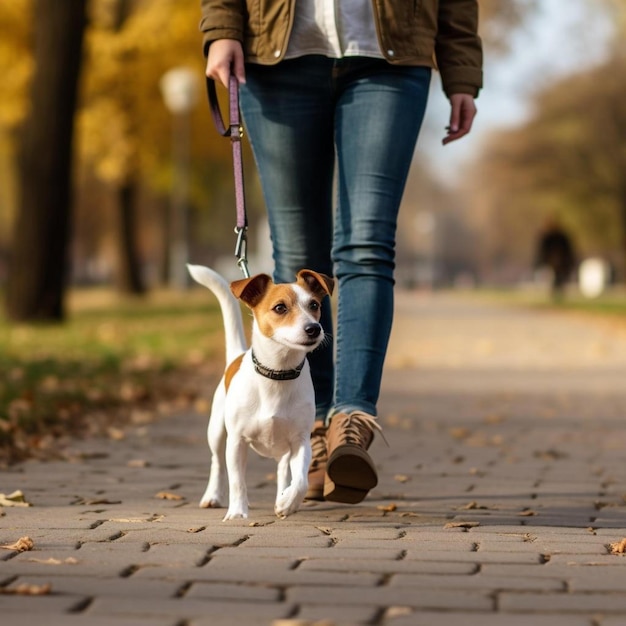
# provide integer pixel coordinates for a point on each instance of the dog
(265, 399)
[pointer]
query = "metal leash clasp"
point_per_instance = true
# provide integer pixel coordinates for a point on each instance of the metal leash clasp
(241, 250)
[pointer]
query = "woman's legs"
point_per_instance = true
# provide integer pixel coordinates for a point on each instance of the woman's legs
(297, 114)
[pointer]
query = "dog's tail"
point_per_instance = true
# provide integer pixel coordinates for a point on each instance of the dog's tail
(231, 312)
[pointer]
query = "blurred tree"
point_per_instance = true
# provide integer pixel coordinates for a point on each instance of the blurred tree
(125, 128)
(499, 19)
(567, 161)
(114, 14)
(38, 262)
(16, 66)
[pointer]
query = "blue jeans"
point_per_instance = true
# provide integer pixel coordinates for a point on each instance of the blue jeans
(306, 118)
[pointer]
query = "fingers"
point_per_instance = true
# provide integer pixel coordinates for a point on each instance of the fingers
(225, 57)
(462, 114)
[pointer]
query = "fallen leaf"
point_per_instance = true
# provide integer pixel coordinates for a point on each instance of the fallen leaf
(618, 547)
(28, 590)
(470, 506)
(398, 611)
(527, 513)
(23, 544)
(13, 499)
(138, 463)
(462, 524)
(166, 495)
(388, 508)
(52, 561)
(197, 529)
(402, 478)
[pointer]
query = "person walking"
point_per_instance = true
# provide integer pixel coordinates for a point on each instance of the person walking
(333, 94)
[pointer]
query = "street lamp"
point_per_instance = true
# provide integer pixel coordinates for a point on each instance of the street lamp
(179, 87)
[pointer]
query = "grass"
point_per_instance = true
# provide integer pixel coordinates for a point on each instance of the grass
(114, 361)
(611, 304)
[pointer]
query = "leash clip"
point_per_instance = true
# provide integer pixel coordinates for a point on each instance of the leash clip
(241, 250)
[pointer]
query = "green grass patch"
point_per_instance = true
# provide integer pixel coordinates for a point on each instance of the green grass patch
(612, 303)
(112, 361)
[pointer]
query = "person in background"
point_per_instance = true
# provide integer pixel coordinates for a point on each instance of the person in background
(555, 251)
(334, 92)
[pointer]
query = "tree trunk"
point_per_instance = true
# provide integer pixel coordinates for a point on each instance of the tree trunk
(129, 271)
(38, 265)
(129, 276)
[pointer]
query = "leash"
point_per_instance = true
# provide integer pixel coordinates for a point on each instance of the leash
(235, 132)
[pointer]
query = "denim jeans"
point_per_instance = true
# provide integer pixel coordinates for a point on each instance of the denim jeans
(317, 125)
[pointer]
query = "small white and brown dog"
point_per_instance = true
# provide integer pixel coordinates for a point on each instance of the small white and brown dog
(265, 399)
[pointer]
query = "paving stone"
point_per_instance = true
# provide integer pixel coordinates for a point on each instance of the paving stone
(222, 591)
(188, 608)
(447, 618)
(563, 602)
(26, 618)
(386, 596)
(335, 614)
(389, 567)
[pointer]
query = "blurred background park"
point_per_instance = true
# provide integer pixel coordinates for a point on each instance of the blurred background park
(112, 176)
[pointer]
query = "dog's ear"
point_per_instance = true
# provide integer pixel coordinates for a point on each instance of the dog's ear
(319, 284)
(251, 290)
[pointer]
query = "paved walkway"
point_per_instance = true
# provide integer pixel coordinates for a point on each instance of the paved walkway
(502, 488)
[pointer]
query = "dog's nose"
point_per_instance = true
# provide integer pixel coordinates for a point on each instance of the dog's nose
(313, 330)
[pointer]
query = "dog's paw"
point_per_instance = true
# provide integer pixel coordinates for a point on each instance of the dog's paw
(235, 515)
(210, 503)
(288, 502)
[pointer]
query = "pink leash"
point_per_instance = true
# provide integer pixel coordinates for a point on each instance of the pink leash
(235, 132)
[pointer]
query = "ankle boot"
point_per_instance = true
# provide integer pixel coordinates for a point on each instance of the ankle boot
(317, 469)
(350, 472)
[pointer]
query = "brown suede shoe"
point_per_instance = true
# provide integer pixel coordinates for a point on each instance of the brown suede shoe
(317, 469)
(350, 472)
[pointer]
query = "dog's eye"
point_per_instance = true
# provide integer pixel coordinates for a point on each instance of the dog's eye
(280, 309)
(314, 306)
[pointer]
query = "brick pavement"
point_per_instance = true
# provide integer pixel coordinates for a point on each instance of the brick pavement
(500, 492)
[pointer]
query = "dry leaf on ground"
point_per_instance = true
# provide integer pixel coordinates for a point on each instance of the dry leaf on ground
(387, 508)
(28, 590)
(619, 547)
(13, 499)
(402, 478)
(462, 524)
(52, 561)
(23, 544)
(166, 495)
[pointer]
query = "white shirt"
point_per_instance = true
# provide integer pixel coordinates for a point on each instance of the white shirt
(333, 28)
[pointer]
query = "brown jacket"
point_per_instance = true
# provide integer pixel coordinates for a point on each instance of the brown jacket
(410, 32)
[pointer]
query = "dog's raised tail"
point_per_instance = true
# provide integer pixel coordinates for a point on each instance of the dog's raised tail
(231, 312)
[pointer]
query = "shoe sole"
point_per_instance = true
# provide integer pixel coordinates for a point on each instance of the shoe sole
(349, 475)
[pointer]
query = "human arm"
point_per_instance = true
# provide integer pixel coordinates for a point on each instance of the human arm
(222, 26)
(459, 59)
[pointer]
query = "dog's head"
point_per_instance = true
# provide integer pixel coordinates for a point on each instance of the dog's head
(287, 313)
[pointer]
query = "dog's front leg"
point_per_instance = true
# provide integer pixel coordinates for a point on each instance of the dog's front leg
(282, 474)
(236, 458)
(289, 499)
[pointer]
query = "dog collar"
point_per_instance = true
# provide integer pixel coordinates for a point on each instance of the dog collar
(276, 374)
